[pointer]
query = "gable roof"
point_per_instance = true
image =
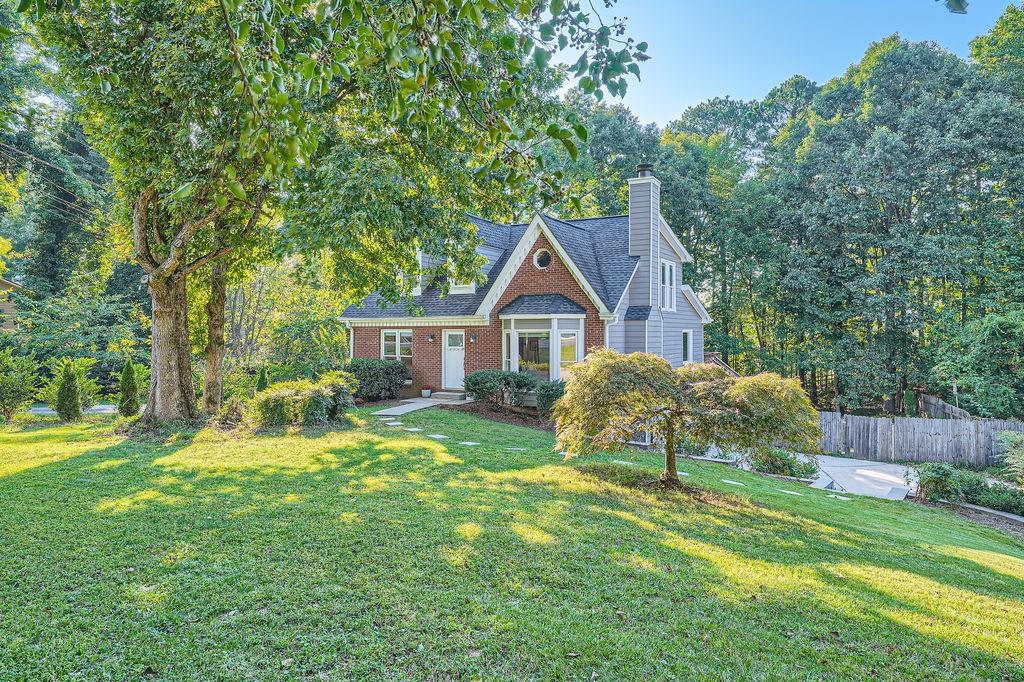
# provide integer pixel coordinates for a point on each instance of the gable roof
(598, 248)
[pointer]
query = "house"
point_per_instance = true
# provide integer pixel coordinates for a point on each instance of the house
(8, 309)
(554, 289)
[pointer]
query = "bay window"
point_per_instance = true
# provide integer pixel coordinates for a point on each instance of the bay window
(535, 354)
(545, 348)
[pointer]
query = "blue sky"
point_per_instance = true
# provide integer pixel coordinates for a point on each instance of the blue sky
(706, 48)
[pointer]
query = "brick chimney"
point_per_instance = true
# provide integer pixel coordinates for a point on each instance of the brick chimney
(644, 217)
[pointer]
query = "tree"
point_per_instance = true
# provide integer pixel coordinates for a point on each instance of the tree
(137, 68)
(18, 381)
(611, 398)
(68, 399)
(128, 405)
(262, 381)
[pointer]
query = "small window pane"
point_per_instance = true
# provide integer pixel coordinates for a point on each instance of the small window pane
(455, 340)
(686, 347)
(535, 354)
(389, 347)
(567, 352)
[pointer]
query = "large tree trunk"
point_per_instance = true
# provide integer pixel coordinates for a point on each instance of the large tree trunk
(213, 378)
(171, 394)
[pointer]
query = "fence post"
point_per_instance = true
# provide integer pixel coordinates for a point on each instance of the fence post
(892, 439)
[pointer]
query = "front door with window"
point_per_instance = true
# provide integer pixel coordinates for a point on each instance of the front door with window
(453, 366)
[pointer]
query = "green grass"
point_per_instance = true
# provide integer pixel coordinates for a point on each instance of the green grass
(368, 552)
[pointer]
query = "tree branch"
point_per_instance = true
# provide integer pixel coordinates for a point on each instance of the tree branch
(177, 252)
(140, 233)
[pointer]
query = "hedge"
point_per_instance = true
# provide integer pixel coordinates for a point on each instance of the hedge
(377, 379)
(498, 387)
(548, 393)
(292, 403)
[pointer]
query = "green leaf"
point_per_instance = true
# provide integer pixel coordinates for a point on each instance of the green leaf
(182, 192)
(235, 187)
(570, 147)
(24, 5)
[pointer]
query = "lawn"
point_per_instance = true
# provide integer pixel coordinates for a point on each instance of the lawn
(370, 552)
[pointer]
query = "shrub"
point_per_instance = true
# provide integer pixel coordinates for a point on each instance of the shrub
(1013, 441)
(498, 387)
(936, 481)
(548, 393)
(1002, 497)
(342, 387)
(291, 403)
(377, 379)
(231, 414)
(239, 382)
(782, 463)
(88, 388)
(17, 382)
(68, 403)
(128, 404)
(262, 381)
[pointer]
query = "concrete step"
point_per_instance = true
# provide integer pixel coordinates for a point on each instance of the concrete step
(448, 395)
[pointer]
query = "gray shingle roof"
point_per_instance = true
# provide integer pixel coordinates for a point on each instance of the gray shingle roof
(637, 313)
(543, 304)
(598, 246)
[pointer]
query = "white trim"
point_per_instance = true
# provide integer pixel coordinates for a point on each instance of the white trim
(455, 288)
(691, 296)
(393, 322)
(444, 355)
(688, 335)
(539, 316)
(518, 257)
(536, 254)
(674, 242)
(417, 289)
(351, 340)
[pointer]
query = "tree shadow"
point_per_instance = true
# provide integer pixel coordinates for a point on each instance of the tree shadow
(362, 552)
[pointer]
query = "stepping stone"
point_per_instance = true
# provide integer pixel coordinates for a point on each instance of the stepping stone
(393, 423)
(468, 442)
(412, 429)
(839, 497)
(516, 449)
(682, 473)
(790, 492)
(437, 436)
(622, 461)
(726, 480)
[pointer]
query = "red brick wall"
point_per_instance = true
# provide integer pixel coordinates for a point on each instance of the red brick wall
(486, 352)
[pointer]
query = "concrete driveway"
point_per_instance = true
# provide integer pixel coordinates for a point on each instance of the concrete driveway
(860, 477)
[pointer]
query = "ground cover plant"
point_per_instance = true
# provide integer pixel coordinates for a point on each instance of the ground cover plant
(371, 552)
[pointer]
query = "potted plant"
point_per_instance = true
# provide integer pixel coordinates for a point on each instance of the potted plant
(425, 391)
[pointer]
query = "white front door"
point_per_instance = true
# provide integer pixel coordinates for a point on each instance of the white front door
(453, 364)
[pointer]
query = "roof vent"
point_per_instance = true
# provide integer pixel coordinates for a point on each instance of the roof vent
(644, 170)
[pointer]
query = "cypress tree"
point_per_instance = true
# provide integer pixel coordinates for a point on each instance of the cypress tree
(262, 381)
(69, 395)
(128, 405)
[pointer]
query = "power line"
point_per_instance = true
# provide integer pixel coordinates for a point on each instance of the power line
(86, 204)
(56, 131)
(47, 163)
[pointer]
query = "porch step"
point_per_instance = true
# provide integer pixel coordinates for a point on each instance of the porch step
(448, 395)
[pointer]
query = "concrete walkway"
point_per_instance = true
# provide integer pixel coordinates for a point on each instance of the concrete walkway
(860, 477)
(412, 405)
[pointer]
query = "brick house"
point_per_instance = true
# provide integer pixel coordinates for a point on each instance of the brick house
(554, 289)
(8, 309)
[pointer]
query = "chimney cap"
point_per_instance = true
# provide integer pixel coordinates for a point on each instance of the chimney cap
(644, 170)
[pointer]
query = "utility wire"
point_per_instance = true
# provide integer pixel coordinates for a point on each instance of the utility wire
(84, 206)
(47, 163)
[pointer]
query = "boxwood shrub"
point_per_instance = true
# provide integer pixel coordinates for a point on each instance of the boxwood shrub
(548, 393)
(377, 379)
(498, 387)
(292, 403)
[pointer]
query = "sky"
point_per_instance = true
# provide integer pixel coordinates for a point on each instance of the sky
(708, 48)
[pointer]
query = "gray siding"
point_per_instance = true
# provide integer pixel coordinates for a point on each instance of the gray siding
(635, 337)
(617, 336)
(667, 334)
(644, 213)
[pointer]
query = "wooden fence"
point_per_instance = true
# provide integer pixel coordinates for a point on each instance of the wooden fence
(972, 442)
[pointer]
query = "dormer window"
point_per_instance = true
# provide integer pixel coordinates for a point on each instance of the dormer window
(467, 287)
(542, 259)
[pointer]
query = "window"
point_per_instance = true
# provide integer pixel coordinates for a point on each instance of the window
(506, 352)
(687, 345)
(535, 354)
(668, 285)
(542, 259)
(568, 343)
(397, 345)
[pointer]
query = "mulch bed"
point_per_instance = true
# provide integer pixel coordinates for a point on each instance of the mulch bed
(991, 520)
(483, 410)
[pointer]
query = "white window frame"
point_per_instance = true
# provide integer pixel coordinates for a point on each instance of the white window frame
(461, 287)
(510, 341)
(576, 334)
(687, 345)
(667, 295)
(397, 333)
